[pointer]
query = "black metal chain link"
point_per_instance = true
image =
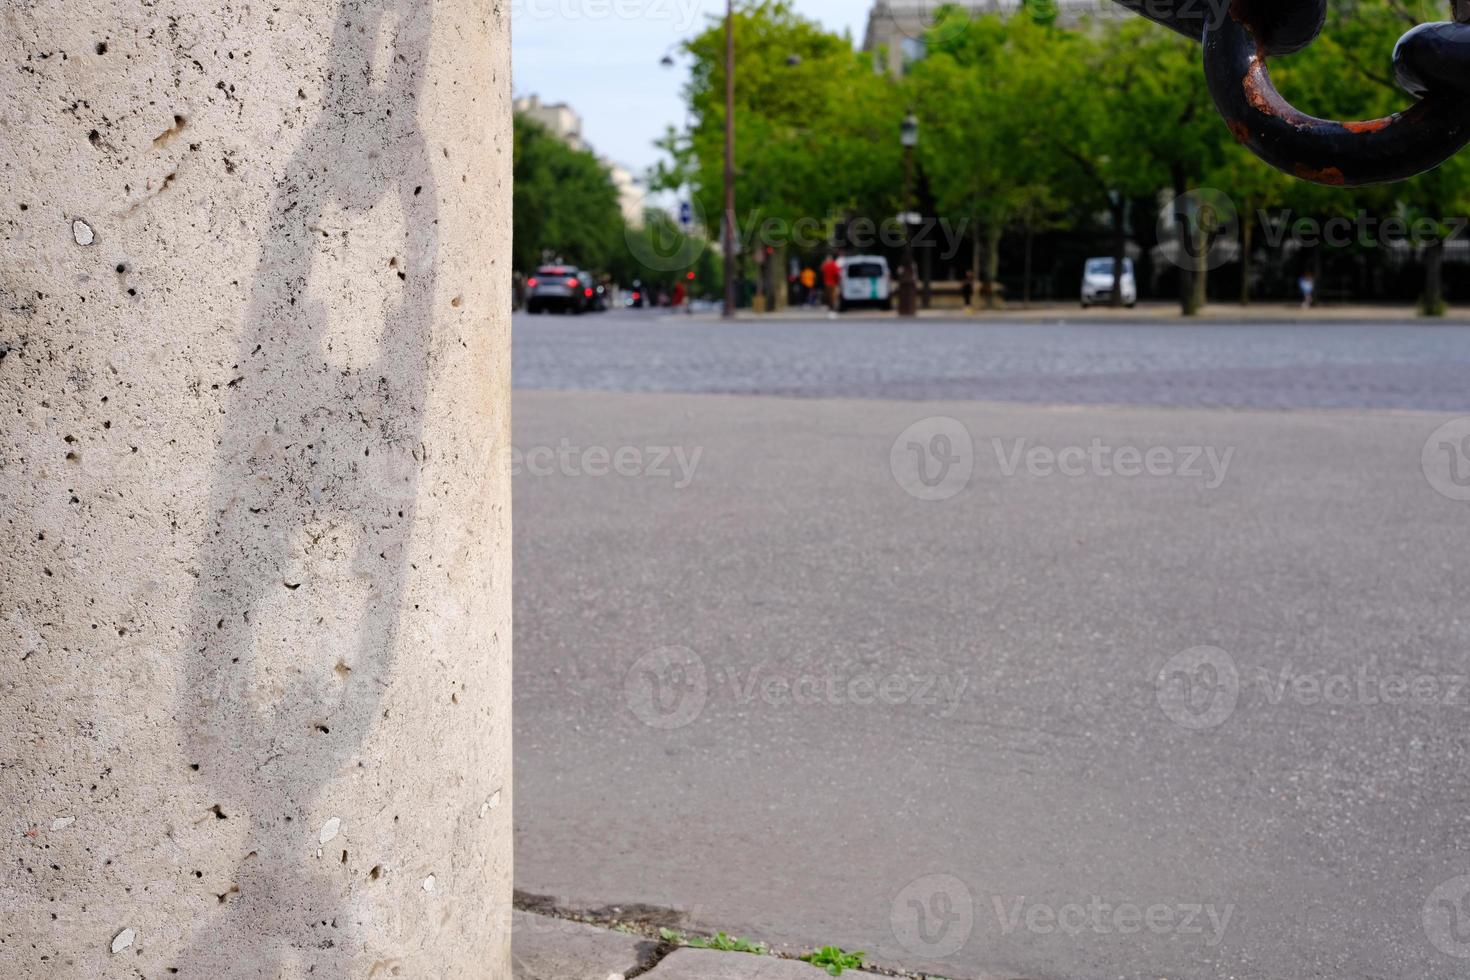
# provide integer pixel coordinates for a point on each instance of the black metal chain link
(1431, 63)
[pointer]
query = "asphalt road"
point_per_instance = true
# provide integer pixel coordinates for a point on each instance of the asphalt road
(1153, 692)
(1207, 363)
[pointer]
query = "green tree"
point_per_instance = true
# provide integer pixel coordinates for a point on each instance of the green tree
(660, 253)
(565, 203)
(1347, 74)
(982, 152)
(1024, 121)
(1157, 120)
(1254, 187)
(816, 134)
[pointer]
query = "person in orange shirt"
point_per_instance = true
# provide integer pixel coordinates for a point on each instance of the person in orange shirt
(808, 281)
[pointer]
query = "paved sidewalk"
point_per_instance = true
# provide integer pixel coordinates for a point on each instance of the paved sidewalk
(1144, 312)
(709, 964)
(549, 948)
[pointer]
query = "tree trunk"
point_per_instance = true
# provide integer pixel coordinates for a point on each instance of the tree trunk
(255, 562)
(1120, 248)
(780, 285)
(1183, 226)
(1433, 303)
(1202, 246)
(992, 266)
(758, 301)
(1026, 275)
(1247, 232)
(926, 296)
(976, 270)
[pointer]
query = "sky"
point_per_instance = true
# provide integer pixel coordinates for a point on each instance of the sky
(601, 57)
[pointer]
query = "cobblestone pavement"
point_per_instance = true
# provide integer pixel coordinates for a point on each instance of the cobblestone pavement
(1389, 365)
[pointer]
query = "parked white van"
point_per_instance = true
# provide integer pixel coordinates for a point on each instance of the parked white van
(1097, 282)
(865, 282)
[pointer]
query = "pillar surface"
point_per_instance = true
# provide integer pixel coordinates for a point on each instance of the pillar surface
(254, 540)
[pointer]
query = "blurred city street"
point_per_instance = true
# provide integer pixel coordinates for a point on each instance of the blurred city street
(1001, 649)
(1098, 357)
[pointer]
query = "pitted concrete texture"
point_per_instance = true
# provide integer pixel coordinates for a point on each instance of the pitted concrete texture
(547, 948)
(254, 546)
(710, 964)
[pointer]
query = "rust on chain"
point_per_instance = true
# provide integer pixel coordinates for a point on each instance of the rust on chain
(1431, 62)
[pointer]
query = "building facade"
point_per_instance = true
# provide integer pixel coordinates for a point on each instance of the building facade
(557, 118)
(896, 28)
(562, 121)
(630, 192)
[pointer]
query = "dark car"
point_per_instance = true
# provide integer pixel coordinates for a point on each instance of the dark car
(636, 297)
(557, 287)
(594, 294)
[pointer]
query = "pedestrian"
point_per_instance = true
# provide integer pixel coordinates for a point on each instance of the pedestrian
(678, 294)
(831, 280)
(809, 285)
(967, 289)
(1308, 285)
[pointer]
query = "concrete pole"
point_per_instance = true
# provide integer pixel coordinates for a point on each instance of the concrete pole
(254, 537)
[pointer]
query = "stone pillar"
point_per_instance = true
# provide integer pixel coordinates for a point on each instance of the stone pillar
(254, 540)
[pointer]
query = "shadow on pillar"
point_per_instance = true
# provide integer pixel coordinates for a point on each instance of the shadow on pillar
(268, 760)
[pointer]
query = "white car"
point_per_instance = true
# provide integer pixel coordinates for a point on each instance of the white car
(1097, 283)
(865, 282)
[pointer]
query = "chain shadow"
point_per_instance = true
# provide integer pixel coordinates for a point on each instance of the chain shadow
(295, 455)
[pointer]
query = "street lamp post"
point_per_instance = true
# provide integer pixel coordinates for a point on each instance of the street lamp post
(728, 233)
(908, 134)
(727, 236)
(729, 242)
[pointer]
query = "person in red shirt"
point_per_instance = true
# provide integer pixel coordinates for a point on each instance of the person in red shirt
(831, 278)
